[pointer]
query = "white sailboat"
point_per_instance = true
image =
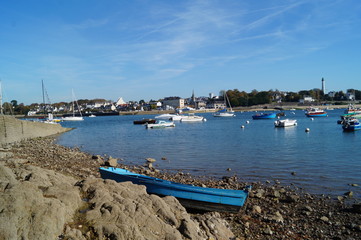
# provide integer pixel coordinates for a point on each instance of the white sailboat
(74, 118)
(225, 112)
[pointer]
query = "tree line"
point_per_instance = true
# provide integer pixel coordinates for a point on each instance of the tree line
(243, 99)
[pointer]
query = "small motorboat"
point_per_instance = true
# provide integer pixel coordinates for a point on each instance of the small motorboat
(160, 124)
(351, 124)
(169, 117)
(316, 112)
(285, 123)
(190, 196)
(352, 109)
(192, 118)
(264, 116)
(144, 121)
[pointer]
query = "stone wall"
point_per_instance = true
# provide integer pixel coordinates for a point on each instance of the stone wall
(13, 130)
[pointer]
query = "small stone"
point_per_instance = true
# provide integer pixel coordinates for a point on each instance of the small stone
(276, 194)
(256, 209)
(349, 194)
(260, 193)
(268, 231)
(150, 160)
(277, 217)
(112, 162)
(150, 165)
(282, 190)
(308, 208)
(325, 219)
(340, 198)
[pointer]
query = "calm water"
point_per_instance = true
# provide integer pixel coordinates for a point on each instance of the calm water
(325, 160)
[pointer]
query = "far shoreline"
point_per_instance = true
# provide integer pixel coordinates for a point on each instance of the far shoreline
(256, 108)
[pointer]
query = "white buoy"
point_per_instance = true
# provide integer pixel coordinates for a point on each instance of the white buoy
(204, 120)
(242, 126)
(247, 122)
(311, 119)
(307, 130)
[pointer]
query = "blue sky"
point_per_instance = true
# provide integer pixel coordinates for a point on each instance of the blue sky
(145, 49)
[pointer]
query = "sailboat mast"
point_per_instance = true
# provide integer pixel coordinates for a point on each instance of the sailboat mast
(42, 87)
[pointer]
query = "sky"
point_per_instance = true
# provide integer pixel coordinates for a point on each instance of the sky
(151, 49)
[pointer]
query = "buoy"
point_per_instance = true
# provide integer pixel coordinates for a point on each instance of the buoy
(311, 119)
(307, 130)
(204, 120)
(242, 126)
(247, 122)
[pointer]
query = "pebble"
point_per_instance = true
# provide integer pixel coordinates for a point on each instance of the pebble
(256, 209)
(348, 194)
(150, 160)
(325, 219)
(268, 231)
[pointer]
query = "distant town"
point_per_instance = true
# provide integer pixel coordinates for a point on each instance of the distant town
(235, 97)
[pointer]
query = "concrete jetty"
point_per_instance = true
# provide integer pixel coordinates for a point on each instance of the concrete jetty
(14, 130)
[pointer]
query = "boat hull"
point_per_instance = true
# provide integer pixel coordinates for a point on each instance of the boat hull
(316, 114)
(225, 114)
(72, 118)
(193, 197)
(144, 121)
(285, 123)
(159, 124)
(264, 116)
(351, 125)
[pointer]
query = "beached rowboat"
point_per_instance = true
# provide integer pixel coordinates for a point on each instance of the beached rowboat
(192, 197)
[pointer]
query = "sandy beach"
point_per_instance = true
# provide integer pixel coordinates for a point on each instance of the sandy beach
(273, 211)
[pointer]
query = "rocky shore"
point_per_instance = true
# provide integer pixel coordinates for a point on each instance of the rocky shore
(49, 191)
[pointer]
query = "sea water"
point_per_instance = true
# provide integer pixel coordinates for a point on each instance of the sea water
(324, 160)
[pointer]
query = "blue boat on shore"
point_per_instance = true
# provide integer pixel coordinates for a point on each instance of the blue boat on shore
(264, 116)
(191, 197)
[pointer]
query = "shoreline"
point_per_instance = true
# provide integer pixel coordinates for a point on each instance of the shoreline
(272, 211)
(266, 107)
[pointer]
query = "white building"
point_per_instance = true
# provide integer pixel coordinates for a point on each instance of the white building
(120, 102)
(307, 99)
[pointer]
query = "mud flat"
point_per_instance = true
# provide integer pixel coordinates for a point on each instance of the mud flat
(49, 191)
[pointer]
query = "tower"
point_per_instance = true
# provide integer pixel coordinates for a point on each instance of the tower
(323, 86)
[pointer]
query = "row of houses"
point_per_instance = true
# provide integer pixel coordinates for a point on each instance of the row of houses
(168, 103)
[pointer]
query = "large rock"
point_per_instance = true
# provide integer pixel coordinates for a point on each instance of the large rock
(126, 211)
(35, 203)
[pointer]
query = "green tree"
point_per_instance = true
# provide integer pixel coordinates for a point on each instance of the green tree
(14, 103)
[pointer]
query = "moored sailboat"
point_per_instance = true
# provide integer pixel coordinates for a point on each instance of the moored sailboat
(225, 112)
(74, 117)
